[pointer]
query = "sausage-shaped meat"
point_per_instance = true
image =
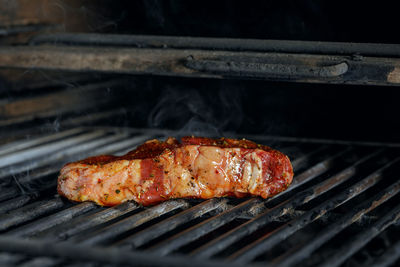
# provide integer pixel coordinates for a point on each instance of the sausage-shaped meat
(196, 167)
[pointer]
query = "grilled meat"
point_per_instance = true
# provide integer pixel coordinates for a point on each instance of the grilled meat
(196, 168)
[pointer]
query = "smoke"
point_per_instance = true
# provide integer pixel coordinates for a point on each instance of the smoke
(19, 186)
(207, 112)
(78, 16)
(96, 21)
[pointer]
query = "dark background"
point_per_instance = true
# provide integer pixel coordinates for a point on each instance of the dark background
(319, 20)
(211, 106)
(311, 110)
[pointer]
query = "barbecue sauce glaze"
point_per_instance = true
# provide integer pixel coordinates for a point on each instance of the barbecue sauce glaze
(196, 167)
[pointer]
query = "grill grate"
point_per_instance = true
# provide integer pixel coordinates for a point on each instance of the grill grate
(343, 193)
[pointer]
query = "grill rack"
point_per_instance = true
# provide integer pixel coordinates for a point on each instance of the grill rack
(337, 186)
(276, 60)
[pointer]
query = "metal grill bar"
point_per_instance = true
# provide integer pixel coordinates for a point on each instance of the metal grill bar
(29, 212)
(16, 202)
(202, 228)
(294, 67)
(92, 221)
(20, 157)
(9, 194)
(15, 192)
(52, 220)
(98, 254)
(350, 218)
(129, 223)
(43, 150)
(171, 223)
(87, 146)
(282, 208)
(300, 161)
(363, 238)
(220, 43)
(251, 251)
(68, 152)
(105, 147)
(109, 144)
(16, 146)
(314, 171)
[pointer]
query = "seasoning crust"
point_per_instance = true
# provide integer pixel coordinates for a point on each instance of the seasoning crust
(196, 167)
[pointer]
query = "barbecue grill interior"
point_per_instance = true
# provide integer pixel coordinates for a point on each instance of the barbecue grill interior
(331, 107)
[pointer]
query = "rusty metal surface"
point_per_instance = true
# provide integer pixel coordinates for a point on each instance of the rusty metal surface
(207, 63)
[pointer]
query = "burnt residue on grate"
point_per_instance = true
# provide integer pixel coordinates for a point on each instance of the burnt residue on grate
(342, 208)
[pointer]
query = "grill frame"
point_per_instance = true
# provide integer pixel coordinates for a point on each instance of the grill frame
(221, 58)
